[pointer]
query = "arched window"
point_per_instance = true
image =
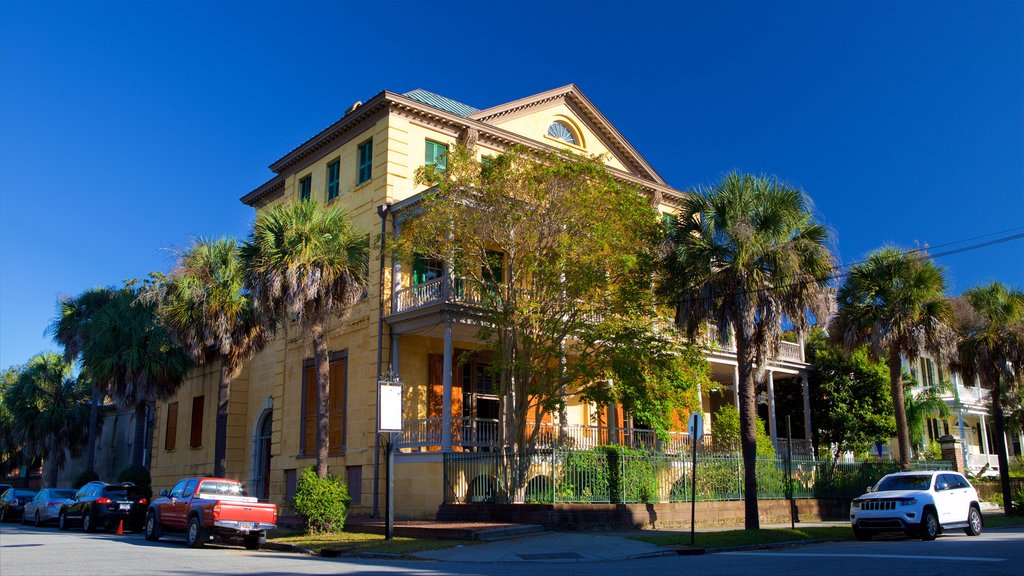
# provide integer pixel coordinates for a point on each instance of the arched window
(562, 131)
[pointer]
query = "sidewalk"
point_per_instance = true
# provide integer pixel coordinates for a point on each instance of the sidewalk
(572, 547)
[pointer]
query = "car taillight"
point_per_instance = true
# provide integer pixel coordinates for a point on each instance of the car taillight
(103, 500)
(143, 501)
(216, 511)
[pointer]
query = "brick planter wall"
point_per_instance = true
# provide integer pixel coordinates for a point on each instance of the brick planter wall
(621, 516)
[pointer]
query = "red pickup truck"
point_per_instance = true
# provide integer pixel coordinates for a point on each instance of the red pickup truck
(207, 507)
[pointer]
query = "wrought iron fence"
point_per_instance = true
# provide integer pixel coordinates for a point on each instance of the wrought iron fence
(631, 476)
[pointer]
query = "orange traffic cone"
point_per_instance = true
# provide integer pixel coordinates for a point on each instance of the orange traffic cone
(120, 528)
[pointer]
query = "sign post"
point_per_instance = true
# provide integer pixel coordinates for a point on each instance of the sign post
(389, 423)
(695, 428)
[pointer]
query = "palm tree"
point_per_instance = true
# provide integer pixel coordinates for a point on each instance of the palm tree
(990, 322)
(10, 440)
(894, 303)
(743, 255)
(70, 329)
(926, 402)
(50, 410)
(205, 305)
(307, 263)
(133, 357)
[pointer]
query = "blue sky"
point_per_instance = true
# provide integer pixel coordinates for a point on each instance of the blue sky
(127, 128)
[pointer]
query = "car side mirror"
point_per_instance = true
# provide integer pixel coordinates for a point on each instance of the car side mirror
(868, 489)
(163, 492)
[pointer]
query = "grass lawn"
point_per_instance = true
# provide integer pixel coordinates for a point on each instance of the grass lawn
(347, 543)
(720, 539)
(1000, 520)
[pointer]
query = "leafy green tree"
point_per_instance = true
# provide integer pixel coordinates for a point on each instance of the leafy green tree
(70, 329)
(893, 302)
(50, 410)
(207, 308)
(10, 439)
(919, 406)
(990, 324)
(306, 262)
(133, 356)
(725, 432)
(556, 255)
(743, 255)
(850, 403)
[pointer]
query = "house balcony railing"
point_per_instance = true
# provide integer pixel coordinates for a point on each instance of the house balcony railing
(436, 291)
(791, 351)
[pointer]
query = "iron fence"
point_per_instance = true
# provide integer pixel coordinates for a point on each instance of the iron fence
(630, 476)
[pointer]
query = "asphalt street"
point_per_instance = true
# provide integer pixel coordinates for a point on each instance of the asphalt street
(31, 551)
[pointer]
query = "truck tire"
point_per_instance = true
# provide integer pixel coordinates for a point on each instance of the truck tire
(195, 533)
(152, 529)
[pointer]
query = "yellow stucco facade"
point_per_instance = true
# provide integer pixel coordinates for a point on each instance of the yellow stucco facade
(270, 386)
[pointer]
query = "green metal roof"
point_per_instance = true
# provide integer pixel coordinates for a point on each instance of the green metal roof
(438, 101)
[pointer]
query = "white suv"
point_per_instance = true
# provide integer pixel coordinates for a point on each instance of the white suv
(918, 503)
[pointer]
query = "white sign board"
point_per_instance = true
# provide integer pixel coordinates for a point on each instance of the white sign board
(389, 406)
(696, 426)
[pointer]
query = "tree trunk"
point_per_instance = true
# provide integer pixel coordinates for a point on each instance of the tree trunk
(748, 429)
(220, 440)
(54, 468)
(139, 445)
(323, 396)
(899, 407)
(90, 453)
(1000, 438)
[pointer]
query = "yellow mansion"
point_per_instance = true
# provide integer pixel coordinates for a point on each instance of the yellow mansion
(367, 160)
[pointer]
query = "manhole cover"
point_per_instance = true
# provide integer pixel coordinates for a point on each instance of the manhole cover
(551, 556)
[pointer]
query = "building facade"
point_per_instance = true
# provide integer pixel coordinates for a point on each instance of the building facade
(367, 161)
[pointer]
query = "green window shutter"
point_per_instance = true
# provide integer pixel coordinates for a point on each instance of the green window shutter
(493, 272)
(365, 161)
(305, 188)
(333, 177)
(436, 154)
(419, 269)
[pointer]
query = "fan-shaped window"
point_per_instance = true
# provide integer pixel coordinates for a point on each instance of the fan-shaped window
(561, 131)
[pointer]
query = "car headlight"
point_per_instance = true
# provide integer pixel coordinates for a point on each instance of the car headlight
(855, 504)
(908, 502)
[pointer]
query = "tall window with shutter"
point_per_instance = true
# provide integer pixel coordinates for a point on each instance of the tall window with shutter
(335, 405)
(171, 427)
(333, 179)
(196, 438)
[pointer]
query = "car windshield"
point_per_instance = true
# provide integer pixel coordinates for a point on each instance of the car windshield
(68, 493)
(214, 487)
(24, 493)
(911, 482)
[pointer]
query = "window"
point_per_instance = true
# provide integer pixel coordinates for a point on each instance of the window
(335, 406)
(305, 188)
(333, 176)
(354, 479)
(178, 489)
(171, 429)
(425, 269)
(927, 372)
(493, 272)
(365, 169)
(561, 131)
(196, 439)
(437, 155)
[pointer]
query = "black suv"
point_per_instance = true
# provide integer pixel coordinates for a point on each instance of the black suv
(102, 505)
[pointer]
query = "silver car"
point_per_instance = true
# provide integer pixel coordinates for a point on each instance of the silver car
(45, 507)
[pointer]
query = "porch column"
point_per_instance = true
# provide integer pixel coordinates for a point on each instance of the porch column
(963, 437)
(984, 437)
(771, 408)
(805, 386)
(736, 386)
(396, 281)
(446, 395)
(395, 357)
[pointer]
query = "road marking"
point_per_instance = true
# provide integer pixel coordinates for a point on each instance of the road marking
(883, 556)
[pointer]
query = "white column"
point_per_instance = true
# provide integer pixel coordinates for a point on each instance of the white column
(446, 395)
(984, 438)
(772, 431)
(736, 386)
(807, 407)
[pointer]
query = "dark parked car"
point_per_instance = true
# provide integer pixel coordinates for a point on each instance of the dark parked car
(102, 505)
(12, 503)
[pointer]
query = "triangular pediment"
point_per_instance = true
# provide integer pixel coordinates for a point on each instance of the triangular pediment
(583, 129)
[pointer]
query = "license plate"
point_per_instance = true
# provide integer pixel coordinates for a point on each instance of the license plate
(126, 506)
(247, 525)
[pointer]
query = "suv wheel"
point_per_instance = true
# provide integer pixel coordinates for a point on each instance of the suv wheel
(929, 525)
(38, 520)
(195, 534)
(62, 520)
(88, 523)
(974, 522)
(151, 528)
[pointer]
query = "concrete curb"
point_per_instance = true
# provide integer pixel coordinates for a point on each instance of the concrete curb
(279, 547)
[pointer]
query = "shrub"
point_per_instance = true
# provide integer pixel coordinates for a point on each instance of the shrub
(84, 478)
(584, 477)
(139, 476)
(1018, 502)
(321, 502)
(632, 475)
